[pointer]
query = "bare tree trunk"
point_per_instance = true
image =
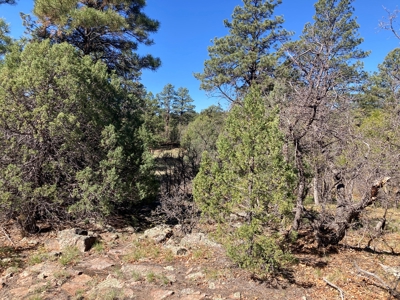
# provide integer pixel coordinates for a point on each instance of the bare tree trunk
(315, 190)
(301, 190)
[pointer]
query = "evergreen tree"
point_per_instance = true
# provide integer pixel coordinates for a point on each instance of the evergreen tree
(109, 31)
(202, 133)
(166, 98)
(247, 55)
(153, 119)
(70, 137)
(249, 176)
(182, 106)
(5, 39)
(387, 80)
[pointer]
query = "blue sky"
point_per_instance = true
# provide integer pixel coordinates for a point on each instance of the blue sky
(188, 26)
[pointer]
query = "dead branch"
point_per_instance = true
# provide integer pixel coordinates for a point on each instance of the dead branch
(336, 287)
(382, 284)
(7, 236)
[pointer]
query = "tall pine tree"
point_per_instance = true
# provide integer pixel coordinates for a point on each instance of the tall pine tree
(247, 55)
(110, 31)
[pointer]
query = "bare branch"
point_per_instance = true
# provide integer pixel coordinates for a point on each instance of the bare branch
(336, 287)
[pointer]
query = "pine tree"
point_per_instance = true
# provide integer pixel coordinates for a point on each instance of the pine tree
(249, 177)
(5, 39)
(247, 55)
(109, 31)
(166, 98)
(182, 106)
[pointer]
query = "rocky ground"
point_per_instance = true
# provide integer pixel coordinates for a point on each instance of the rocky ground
(161, 263)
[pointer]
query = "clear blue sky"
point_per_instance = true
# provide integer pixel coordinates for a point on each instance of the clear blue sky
(187, 28)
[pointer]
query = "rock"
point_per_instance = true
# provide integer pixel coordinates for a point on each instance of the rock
(236, 295)
(159, 233)
(129, 229)
(78, 283)
(20, 292)
(107, 286)
(195, 276)
(98, 263)
(52, 245)
(189, 291)
(197, 239)
(161, 294)
(142, 270)
(109, 236)
(72, 238)
(175, 248)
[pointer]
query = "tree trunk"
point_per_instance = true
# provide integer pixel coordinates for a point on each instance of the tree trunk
(315, 190)
(330, 231)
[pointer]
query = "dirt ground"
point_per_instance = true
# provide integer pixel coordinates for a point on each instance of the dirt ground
(350, 270)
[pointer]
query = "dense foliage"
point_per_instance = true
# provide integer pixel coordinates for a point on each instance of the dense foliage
(70, 136)
(249, 177)
(109, 31)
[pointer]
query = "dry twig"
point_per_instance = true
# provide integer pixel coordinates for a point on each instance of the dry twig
(336, 287)
(7, 236)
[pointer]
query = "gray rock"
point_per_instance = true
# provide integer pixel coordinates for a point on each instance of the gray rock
(72, 238)
(159, 233)
(197, 239)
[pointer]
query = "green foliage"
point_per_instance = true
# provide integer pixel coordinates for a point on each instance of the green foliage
(153, 121)
(202, 134)
(245, 56)
(250, 177)
(5, 40)
(109, 31)
(182, 107)
(176, 110)
(382, 88)
(70, 136)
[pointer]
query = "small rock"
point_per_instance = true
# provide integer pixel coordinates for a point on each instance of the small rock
(33, 242)
(70, 238)
(77, 283)
(161, 294)
(169, 268)
(189, 291)
(129, 229)
(195, 276)
(42, 276)
(211, 285)
(196, 239)
(236, 295)
(97, 263)
(159, 233)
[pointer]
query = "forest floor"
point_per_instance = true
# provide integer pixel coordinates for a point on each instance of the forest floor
(126, 265)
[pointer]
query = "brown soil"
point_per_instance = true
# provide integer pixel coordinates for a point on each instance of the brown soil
(203, 273)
